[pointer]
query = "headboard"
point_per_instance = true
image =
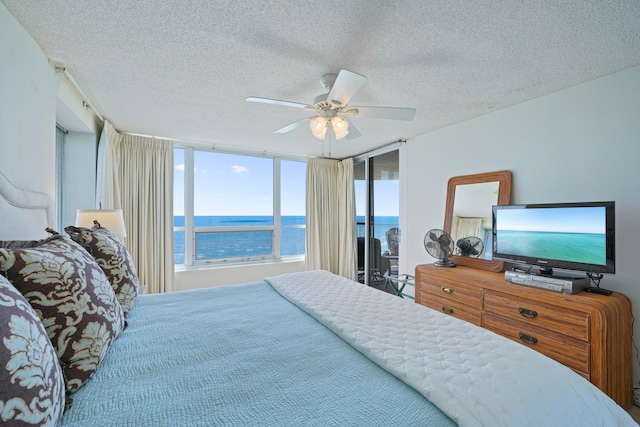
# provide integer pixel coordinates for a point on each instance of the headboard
(23, 213)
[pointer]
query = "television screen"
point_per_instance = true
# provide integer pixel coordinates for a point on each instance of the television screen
(574, 236)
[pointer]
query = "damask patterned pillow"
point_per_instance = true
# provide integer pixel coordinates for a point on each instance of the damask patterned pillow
(114, 259)
(31, 382)
(73, 298)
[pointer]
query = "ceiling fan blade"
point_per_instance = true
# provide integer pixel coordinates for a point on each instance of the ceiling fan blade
(391, 113)
(278, 102)
(353, 132)
(291, 126)
(346, 85)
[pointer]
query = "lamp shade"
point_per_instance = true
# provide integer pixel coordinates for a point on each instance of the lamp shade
(318, 126)
(111, 219)
(340, 127)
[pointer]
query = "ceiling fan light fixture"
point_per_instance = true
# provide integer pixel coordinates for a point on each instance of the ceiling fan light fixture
(341, 87)
(318, 125)
(340, 127)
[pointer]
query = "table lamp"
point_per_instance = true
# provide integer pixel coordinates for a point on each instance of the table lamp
(110, 219)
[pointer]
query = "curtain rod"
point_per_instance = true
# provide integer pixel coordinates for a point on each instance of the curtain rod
(379, 150)
(235, 149)
(182, 143)
(85, 101)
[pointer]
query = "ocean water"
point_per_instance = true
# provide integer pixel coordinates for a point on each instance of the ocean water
(257, 243)
(380, 226)
(235, 221)
(573, 247)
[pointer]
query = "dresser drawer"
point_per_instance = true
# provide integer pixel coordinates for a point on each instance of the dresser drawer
(453, 308)
(551, 317)
(451, 290)
(570, 352)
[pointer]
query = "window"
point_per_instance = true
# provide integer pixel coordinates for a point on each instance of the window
(61, 176)
(237, 208)
(377, 194)
(292, 203)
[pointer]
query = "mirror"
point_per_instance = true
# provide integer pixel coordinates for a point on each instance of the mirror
(468, 213)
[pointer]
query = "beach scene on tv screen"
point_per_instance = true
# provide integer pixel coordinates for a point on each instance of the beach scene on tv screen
(576, 234)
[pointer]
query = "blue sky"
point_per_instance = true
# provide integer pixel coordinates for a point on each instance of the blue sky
(386, 198)
(228, 184)
(571, 220)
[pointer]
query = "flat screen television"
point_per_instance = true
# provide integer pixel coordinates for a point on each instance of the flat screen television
(571, 236)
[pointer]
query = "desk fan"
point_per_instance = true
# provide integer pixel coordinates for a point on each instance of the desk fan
(470, 246)
(439, 245)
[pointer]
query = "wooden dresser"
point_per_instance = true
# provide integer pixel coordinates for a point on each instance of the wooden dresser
(589, 333)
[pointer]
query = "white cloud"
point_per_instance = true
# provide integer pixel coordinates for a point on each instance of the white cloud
(239, 169)
(180, 167)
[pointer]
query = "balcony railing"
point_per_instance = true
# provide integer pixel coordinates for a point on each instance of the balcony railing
(379, 231)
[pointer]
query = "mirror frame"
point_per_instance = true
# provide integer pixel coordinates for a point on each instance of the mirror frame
(504, 197)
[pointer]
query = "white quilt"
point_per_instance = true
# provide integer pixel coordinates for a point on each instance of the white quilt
(476, 377)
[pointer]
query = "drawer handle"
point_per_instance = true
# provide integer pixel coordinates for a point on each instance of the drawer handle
(447, 310)
(525, 312)
(447, 290)
(527, 339)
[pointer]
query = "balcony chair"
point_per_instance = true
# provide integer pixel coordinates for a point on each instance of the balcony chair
(391, 254)
(380, 264)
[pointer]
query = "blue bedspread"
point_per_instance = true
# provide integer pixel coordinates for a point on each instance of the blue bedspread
(239, 356)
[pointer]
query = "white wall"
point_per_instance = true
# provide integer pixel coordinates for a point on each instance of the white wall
(579, 144)
(231, 275)
(34, 98)
(81, 152)
(28, 88)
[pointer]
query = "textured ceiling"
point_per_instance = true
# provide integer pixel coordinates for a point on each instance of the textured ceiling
(183, 69)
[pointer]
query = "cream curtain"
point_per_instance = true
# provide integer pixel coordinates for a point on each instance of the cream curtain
(465, 227)
(138, 178)
(331, 228)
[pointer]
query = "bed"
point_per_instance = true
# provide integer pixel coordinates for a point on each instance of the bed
(308, 348)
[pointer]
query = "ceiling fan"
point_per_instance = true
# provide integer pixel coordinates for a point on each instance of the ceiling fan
(332, 107)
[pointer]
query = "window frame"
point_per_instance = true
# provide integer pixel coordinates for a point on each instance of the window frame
(61, 174)
(190, 231)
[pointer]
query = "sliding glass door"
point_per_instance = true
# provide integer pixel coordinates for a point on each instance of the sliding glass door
(377, 209)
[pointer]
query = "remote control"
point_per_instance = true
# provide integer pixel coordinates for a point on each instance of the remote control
(597, 290)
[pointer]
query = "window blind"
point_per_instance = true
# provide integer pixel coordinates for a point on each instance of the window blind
(61, 165)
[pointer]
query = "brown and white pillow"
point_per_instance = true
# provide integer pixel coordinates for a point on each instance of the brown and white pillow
(113, 258)
(31, 381)
(73, 298)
